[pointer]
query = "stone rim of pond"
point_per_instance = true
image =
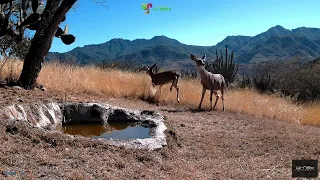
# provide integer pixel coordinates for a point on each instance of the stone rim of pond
(49, 115)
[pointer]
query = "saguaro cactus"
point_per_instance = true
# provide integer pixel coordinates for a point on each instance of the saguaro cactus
(227, 67)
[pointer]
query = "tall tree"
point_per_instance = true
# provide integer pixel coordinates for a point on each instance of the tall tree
(52, 16)
(43, 17)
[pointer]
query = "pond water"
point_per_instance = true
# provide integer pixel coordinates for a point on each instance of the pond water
(122, 131)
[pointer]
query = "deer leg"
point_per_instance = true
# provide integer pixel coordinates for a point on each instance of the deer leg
(160, 88)
(211, 93)
(217, 98)
(203, 93)
(175, 85)
(222, 99)
(174, 82)
(177, 88)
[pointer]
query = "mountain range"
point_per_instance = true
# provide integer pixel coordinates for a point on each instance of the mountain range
(277, 43)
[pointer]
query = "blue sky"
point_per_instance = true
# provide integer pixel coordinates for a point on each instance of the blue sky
(201, 22)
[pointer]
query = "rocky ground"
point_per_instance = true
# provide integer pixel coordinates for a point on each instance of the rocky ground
(201, 145)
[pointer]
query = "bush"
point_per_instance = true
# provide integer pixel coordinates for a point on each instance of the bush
(264, 83)
(244, 81)
(124, 66)
(189, 73)
(304, 82)
(296, 79)
(12, 49)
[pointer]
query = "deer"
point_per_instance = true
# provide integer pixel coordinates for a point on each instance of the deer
(163, 78)
(210, 81)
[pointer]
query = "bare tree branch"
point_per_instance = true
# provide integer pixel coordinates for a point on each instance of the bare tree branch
(101, 3)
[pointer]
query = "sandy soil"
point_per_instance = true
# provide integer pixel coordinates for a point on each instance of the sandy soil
(201, 145)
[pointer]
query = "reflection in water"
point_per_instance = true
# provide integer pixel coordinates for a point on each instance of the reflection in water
(121, 131)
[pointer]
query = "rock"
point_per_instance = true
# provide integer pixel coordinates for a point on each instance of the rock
(39, 115)
(41, 87)
(148, 112)
(78, 113)
(11, 129)
(17, 88)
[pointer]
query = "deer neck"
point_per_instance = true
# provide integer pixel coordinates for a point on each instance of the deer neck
(151, 74)
(202, 72)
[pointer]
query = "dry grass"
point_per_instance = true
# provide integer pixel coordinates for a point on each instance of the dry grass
(116, 83)
(311, 114)
(10, 69)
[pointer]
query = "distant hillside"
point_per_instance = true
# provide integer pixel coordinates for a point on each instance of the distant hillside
(277, 43)
(158, 49)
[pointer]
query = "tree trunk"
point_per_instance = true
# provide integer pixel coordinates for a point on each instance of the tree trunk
(42, 40)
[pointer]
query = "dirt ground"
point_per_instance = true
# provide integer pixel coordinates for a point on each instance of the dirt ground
(201, 145)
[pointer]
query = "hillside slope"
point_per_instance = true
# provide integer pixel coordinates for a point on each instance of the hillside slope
(273, 44)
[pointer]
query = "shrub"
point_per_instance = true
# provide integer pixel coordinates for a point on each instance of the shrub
(294, 78)
(189, 73)
(264, 83)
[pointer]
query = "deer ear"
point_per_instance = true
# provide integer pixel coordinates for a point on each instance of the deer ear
(204, 57)
(193, 57)
(153, 66)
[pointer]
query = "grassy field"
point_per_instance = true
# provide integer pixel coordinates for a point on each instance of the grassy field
(115, 83)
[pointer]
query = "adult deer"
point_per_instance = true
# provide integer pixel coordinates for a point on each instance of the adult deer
(163, 78)
(209, 81)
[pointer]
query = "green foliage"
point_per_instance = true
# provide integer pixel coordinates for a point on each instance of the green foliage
(225, 66)
(16, 16)
(14, 49)
(264, 83)
(303, 83)
(244, 82)
(298, 80)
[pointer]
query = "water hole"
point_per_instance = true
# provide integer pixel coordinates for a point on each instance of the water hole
(114, 130)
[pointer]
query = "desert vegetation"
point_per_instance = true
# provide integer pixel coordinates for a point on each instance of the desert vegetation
(296, 79)
(68, 79)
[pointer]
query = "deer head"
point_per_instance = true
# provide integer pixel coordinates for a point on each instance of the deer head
(151, 69)
(199, 62)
